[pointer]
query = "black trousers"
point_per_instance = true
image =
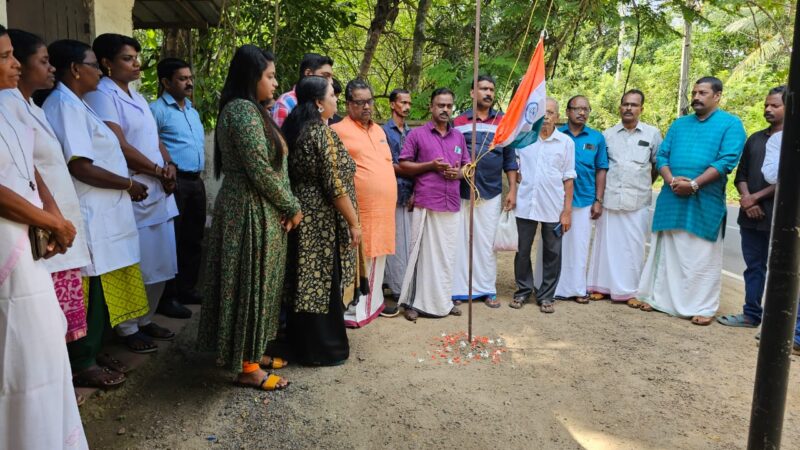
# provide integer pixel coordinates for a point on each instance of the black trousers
(189, 228)
(551, 261)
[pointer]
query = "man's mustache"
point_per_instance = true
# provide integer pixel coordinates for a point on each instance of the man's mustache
(488, 98)
(189, 88)
(697, 102)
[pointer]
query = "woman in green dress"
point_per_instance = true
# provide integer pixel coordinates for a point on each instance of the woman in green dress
(322, 261)
(253, 212)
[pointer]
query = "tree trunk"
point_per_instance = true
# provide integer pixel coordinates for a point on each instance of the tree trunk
(385, 11)
(415, 68)
(175, 44)
(686, 56)
(620, 44)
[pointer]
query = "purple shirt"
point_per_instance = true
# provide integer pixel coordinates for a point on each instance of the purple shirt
(431, 189)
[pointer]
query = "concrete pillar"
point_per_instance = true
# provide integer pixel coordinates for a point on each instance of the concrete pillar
(111, 16)
(3, 13)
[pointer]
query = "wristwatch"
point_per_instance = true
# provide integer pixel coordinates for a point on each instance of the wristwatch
(598, 200)
(695, 186)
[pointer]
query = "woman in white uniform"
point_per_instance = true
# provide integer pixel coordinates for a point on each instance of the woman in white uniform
(37, 402)
(113, 280)
(128, 115)
(37, 74)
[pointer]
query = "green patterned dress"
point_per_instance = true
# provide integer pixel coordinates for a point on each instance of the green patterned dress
(247, 245)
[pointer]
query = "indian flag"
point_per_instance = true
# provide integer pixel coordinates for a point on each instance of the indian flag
(521, 124)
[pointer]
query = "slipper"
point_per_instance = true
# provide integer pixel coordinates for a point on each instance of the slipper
(703, 321)
(456, 311)
(159, 333)
(645, 307)
(634, 303)
(492, 302)
(274, 363)
(411, 315)
(97, 377)
(268, 383)
(140, 343)
(581, 300)
(106, 360)
(736, 320)
(547, 307)
(597, 296)
(517, 302)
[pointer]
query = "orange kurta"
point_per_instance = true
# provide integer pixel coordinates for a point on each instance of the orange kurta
(376, 186)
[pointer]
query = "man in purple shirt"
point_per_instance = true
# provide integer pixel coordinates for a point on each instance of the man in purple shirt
(435, 154)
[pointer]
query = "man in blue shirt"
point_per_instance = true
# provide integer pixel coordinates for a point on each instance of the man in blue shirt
(591, 165)
(396, 131)
(683, 272)
(490, 165)
(181, 132)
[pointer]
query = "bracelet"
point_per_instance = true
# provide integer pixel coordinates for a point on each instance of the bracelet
(130, 184)
(695, 186)
(172, 163)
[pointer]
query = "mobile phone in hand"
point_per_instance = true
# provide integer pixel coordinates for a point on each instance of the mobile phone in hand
(558, 230)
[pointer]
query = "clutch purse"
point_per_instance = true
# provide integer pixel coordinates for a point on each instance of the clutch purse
(39, 239)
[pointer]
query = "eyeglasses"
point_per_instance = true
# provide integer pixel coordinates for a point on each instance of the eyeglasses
(579, 109)
(361, 103)
(91, 64)
(630, 105)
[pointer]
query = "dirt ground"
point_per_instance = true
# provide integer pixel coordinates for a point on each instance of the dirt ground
(597, 376)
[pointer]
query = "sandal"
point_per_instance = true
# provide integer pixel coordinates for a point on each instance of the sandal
(273, 363)
(268, 383)
(456, 311)
(140, 343)
(106, 360)
(411, 315)
(646, 307)
(517, 302)
(547, 307)
(703, 321)
(736, 320)
(634, 303)
(597, 296)
(98, 377)
(581, 300)
(157, 332)
(492, 302)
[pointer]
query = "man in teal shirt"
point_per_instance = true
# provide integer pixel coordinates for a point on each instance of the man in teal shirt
(591, 165)
(682, 276)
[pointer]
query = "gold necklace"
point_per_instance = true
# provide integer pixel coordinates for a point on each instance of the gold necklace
(13, 159)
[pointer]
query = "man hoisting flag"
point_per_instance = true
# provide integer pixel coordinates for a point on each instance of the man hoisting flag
(523, 120)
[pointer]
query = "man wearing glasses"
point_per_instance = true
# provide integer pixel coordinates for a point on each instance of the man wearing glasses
(376, 192)
(621, 233)
(591, 164)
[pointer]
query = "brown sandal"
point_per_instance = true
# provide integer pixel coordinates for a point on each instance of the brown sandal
(646, 307)
(98, 377)
(634, 303)
(106, 360)
(581, 300)
(702, 321)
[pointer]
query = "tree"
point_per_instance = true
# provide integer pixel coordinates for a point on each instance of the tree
(415, 68)
(385, 11)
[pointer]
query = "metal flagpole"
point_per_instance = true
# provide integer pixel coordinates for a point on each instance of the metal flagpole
(783, 277)
(475, 66)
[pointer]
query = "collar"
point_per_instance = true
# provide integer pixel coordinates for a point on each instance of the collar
(170, 100)
(431, 125)
(620, 127)
(707, 117)
(565, 129)
(393, 124)
(554, 136)
(492, 115)
(109, 85)
(67, 92)
(358, 124)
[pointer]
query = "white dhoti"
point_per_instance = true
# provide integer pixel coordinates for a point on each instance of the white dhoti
(615, 266)
(37, 400)
(484, 262)
(575, 255)
(428, 281)
(683, 274)
(396, 264)
(369, 306)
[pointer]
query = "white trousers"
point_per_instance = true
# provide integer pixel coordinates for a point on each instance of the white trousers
(683, 274)
(484, 262)
(368, 306)
(575, 254)
(615, 266)
(153, 292)
(396, 264)
(428, 282)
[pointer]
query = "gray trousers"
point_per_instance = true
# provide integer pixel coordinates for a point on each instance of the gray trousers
(551, 266)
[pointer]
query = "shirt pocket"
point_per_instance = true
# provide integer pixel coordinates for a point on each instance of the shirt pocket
(554, 163)
(641, 155)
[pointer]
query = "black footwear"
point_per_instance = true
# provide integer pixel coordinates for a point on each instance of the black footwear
(191, 298)
(390, 310)
(171, 308)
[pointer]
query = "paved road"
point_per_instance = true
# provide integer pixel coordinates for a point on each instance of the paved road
(732, 264)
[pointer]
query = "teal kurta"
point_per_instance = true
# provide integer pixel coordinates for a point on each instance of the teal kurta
(690, 147)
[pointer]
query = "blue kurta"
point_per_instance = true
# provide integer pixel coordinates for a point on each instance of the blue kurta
(690, 147)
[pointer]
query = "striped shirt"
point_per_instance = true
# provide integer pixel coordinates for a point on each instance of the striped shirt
(283, 106)
(690, 147)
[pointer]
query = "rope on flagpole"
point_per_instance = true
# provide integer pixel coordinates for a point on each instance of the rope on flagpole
(471, 178)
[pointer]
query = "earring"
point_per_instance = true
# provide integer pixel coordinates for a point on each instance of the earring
(77, 76)
(320, 109)
(109, 72)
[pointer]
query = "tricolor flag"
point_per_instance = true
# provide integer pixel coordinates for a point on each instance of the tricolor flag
(521, 124)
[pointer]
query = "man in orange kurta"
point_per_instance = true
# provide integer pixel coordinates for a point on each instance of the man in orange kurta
(376, 192)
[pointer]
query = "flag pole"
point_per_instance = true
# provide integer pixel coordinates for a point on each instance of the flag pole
(475, 66)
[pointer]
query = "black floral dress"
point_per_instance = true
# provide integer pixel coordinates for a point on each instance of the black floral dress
(321, 262)
(247, 245)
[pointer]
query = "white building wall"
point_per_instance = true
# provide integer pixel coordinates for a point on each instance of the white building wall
(111, 16)
(3, 13)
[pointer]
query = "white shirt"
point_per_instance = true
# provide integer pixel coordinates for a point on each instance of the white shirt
(544, 166)
(132, 113)
(107, 213)
(631, 155)
(770, 167)
(49, 161)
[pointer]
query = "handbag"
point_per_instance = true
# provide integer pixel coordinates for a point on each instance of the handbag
(40, 239)
(506, 238)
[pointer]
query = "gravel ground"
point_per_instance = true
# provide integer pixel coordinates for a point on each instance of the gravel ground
(597, 376)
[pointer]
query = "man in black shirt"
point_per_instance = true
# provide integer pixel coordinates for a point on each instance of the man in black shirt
(755, 213)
